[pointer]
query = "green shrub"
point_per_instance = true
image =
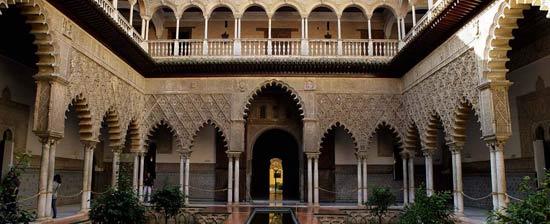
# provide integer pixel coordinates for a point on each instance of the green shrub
(10, 212)
(534, 208)
(120, 205)
(168, 201)
(379, 201)
(434, 209)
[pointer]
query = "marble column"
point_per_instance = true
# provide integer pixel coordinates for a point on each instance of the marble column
(364, 179)
(501, 176)
(413, 10)
(316, 180)
(46, 142)
(182, 172)
(339, 36)
(89, 147)
(359, 182)
(429, 171)
(412, 189)
(135, 179)
(186, 183)
(205, 41)
(236, 174)
(269, 41)
(230, 180)
(141, 170)
(116, 165)
(459, 183)
(405, 158)
(309, 180)
(51, 172)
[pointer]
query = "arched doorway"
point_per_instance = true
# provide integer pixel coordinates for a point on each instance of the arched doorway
(271, 144)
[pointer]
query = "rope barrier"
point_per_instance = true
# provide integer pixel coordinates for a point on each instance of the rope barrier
(338, 192)
(69, 196)
(510, 196)
(24, 199)
(99, 193)
(477, 199)
(206, 190)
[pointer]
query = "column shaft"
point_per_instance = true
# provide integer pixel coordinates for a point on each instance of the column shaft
(43, 179)
(412, 190)
(182, 172)
(141, 169)
(501, 176)
(187, 165)
(116, 168)
(494, 180)
(359, 183)
(135, 178)
(236, 188)
(459, 186)
(51, 171)
(309, 181)
(405, 183)
(316, 181)
(84, 197)
(365, 186)
(413, 10)
(230, 181)
(429, 174)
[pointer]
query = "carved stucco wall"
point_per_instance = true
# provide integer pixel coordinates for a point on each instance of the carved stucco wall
(442, 92)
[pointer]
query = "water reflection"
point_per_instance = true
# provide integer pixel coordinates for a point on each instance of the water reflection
(272, 216)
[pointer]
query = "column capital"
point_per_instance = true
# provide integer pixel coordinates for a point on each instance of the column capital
(117, 148)
(185, 153)
(313, 155)
(361, 154)
(455, 147)
(405, 154)
(495, 144)
(89, 144)
(233, 154)
(48, 139)
(428, 152)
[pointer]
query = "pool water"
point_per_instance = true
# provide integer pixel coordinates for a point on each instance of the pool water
(272, 216)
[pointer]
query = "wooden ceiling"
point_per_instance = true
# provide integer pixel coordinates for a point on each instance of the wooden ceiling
(95, 20)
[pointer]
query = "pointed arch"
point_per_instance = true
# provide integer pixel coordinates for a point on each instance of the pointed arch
(412, 140)
(151, 130)
(274, 83)
(133, 135)
(334, 126)
(84, 115)
(462, 113)
(37, 18)
(218, 129)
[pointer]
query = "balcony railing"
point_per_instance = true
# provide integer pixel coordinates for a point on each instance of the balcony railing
(120, 20)
(381, 48)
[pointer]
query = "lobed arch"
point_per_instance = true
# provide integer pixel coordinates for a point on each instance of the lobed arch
(431, 129)
(149, 132)
(112, 120)
(337, 125)
(394, 131)
(500, 33)
(461, 114)
(291, 3)
(412, 138)
(85, 118)
(217, 127)
(38, 20)
(133, 135)
(285, 87)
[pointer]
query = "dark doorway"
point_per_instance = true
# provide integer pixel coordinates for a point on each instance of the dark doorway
(271, 144)
(2, 151)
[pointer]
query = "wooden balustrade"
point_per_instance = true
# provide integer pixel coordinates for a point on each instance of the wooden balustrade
(323, 47)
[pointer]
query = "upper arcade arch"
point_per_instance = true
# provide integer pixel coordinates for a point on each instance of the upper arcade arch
(292, 4)
(210, 9)
(326, 5)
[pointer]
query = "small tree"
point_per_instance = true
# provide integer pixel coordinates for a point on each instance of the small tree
(168, 201)
(120, 205)
(379, 201)
(534, 208)
(426, 209)
(10, 212)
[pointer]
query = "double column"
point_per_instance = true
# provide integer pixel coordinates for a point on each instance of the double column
(89, 147)
(237, 41)
(405, 160)
(362, 189)
(185, 162)
(313, 178)
(139, 162)
(305, 37)
(47, 168)
(233, 177)
(428, 156)
(116, 165)
(498, 174)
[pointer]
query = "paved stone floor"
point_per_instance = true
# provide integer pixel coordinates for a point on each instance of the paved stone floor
(239, 214)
